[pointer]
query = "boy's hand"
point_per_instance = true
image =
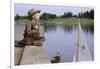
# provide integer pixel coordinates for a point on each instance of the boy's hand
(34, 31)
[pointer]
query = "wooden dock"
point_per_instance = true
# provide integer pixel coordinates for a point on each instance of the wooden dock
(18, 52)
(31, 54)
(34, 55)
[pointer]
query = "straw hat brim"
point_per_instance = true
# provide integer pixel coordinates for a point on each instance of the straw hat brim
(35, 12)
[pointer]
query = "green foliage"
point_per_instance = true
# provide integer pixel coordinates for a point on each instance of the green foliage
(67, 15)
(47, 16)
(18, 17)
(87, 14)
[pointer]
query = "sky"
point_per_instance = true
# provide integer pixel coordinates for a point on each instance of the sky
(22, 9)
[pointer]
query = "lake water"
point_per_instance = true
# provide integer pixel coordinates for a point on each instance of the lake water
(60, 40)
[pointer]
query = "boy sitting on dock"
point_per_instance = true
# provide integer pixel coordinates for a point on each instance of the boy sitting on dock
(32, 28)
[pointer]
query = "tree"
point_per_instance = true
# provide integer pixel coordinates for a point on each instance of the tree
(79, 15)
(46, 16)
(74, 15)
(69, 14)
(17, 17)
(66, 15)
(87, 14)
(92, 14)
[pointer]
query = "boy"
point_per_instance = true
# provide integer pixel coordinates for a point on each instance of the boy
(31, 32)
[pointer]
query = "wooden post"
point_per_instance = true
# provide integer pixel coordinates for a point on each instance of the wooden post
(78, 41)
(82, 52)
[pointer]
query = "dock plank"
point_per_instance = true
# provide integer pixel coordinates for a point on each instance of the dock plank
(34, 55)
(17, 54)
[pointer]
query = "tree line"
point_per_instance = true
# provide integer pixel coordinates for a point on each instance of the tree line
(18, 17)
(46, 16)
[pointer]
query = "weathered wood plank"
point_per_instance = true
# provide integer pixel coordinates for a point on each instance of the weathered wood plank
(34, 55)
(17, 54)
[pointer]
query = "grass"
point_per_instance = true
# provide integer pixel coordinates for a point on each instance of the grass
(67, 21)
(61, 21)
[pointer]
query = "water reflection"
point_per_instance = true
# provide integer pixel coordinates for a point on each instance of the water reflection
(67, 28)
(62, 38)
(86, 28)
(49, 28)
